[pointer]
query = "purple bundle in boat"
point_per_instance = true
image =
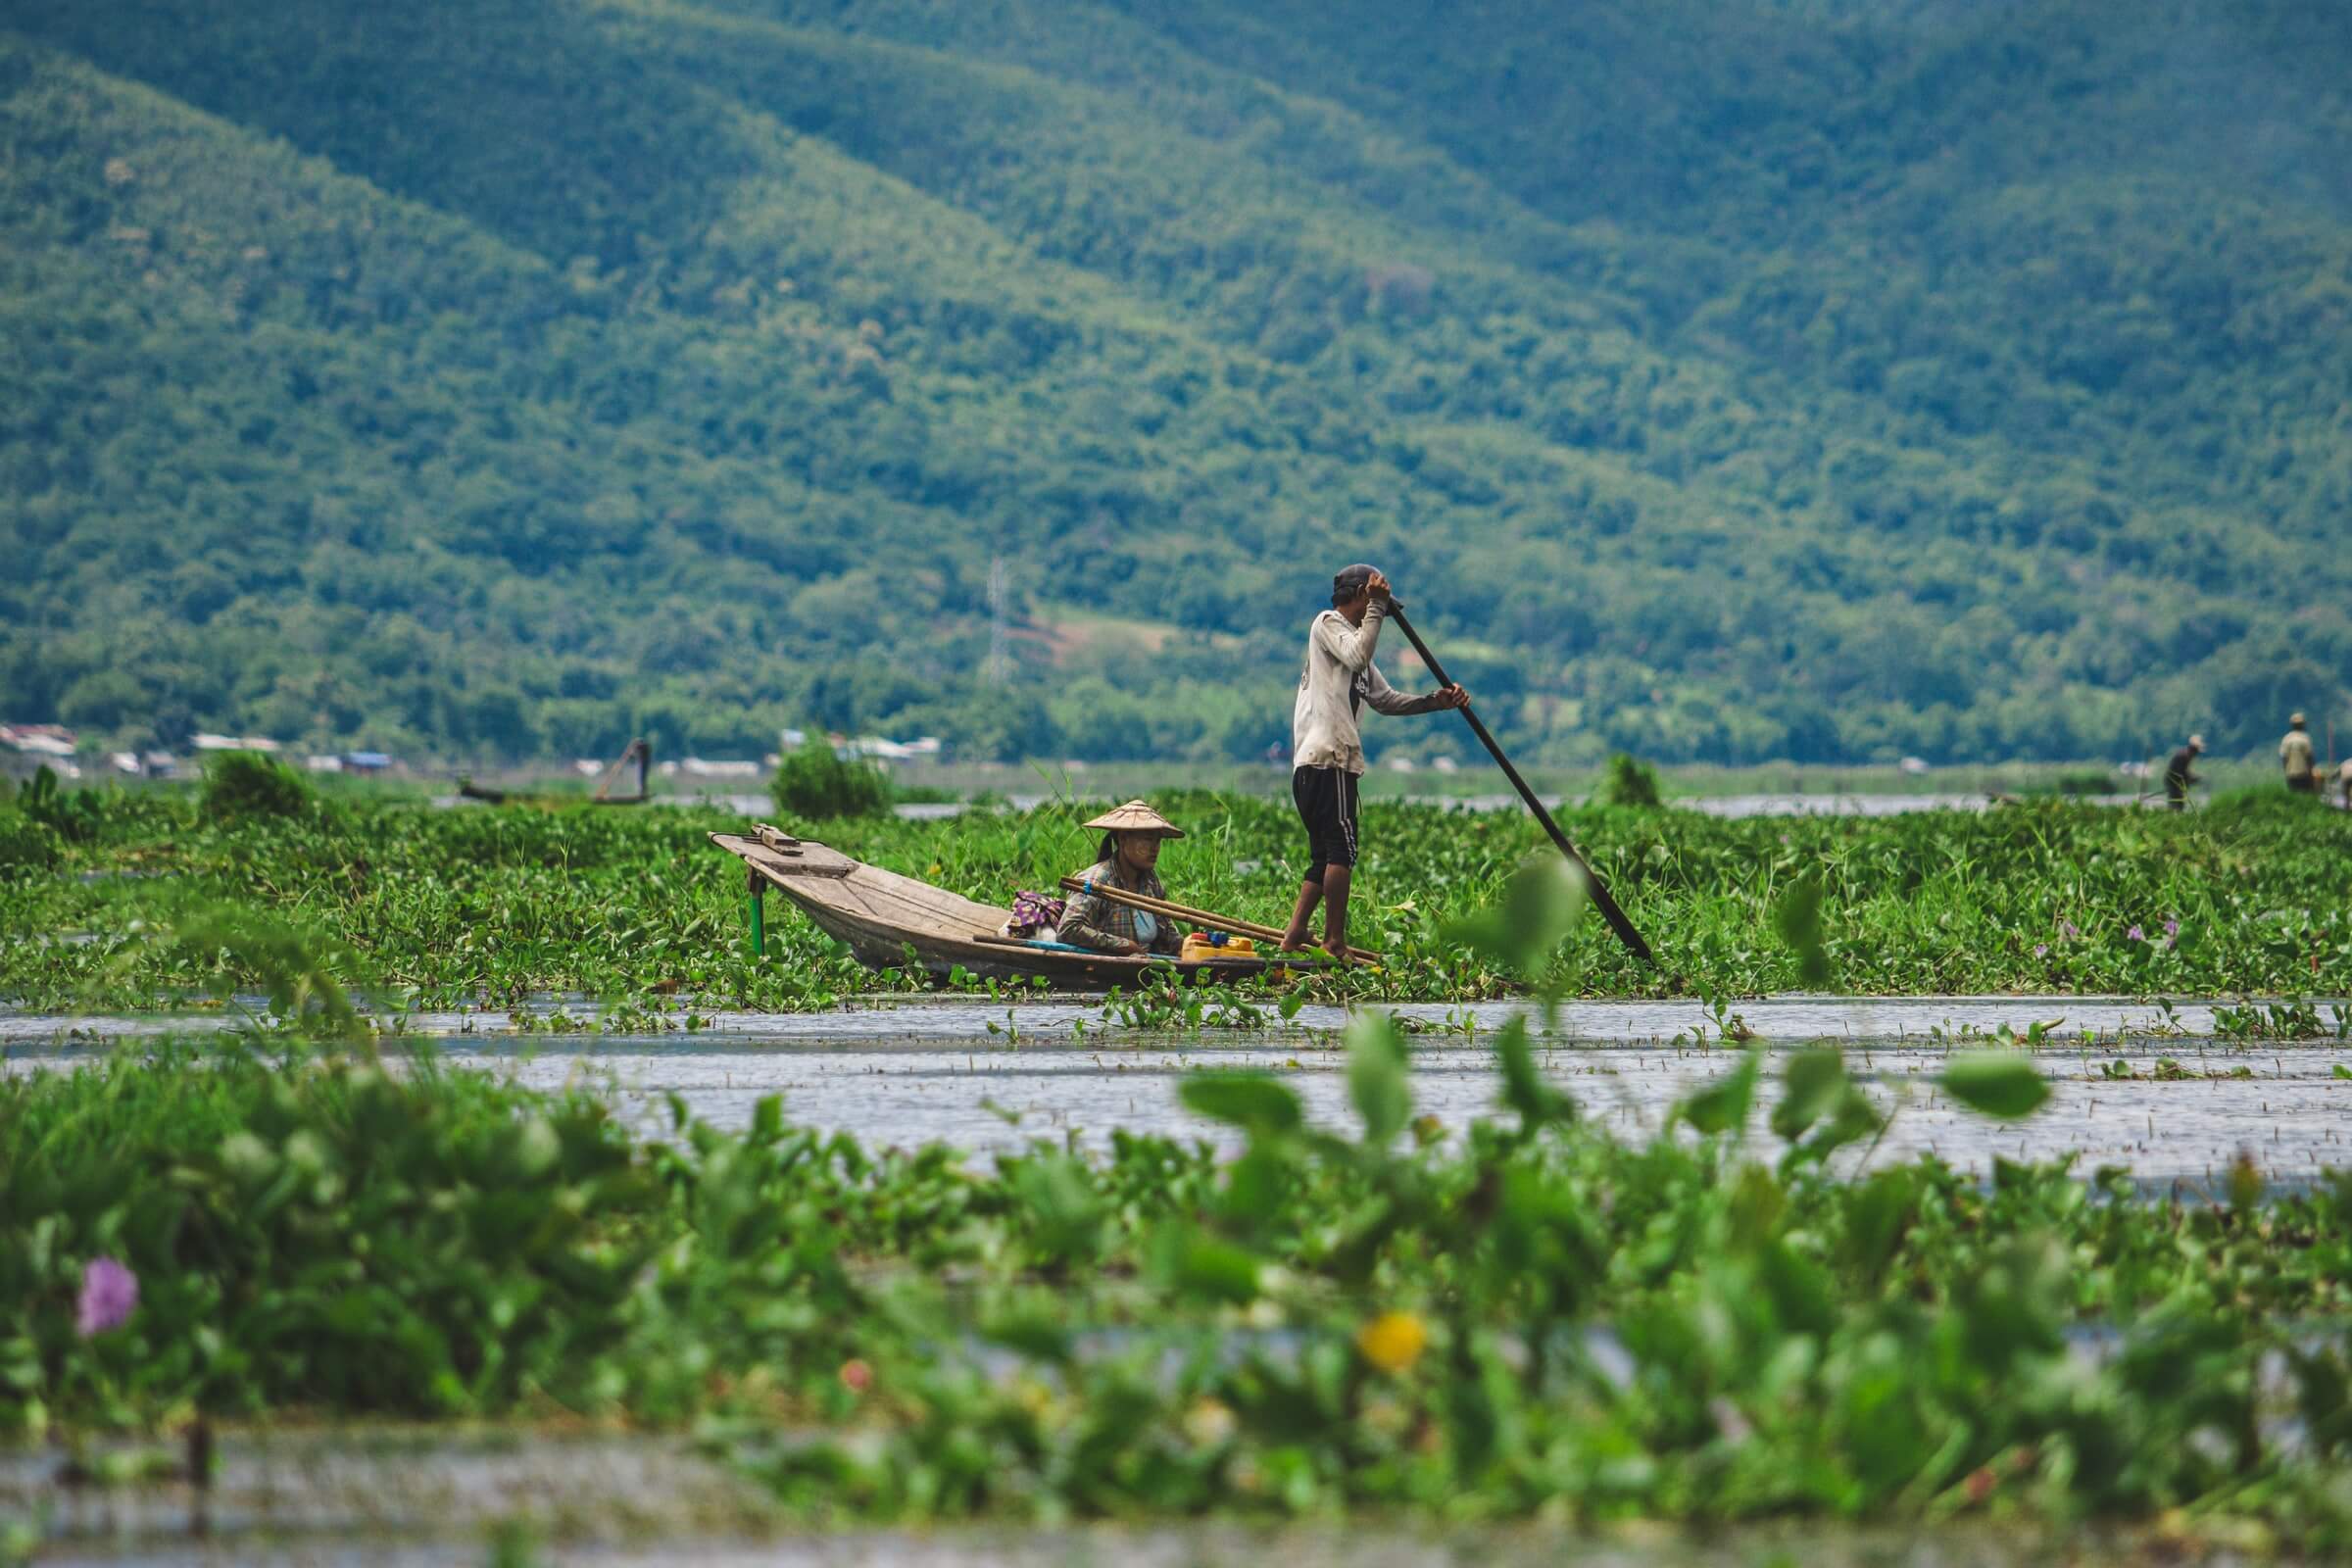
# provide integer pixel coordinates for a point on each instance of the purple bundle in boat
(1032, 913)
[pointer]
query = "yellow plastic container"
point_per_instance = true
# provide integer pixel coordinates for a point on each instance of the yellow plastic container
(1197, 947)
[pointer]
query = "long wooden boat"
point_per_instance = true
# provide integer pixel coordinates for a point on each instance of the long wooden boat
(637, 751)
(891, 921)
(467, 789)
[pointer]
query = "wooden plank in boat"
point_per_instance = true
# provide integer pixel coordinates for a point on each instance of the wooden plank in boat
(808, 859)
(921, 903)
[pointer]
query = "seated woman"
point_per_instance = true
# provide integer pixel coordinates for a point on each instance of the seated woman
(1131, 836)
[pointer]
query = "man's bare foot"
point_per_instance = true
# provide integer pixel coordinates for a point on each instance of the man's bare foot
(1295, 942)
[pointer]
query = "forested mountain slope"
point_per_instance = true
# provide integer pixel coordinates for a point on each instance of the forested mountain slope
(1771, 377)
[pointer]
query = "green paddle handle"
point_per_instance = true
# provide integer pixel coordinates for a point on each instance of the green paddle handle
(759, 918)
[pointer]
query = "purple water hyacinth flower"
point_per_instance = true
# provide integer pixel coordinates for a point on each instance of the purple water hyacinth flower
(2172, 933)
(2069, 930)
(2136, 934)
(109, 1292)
(2041, 950)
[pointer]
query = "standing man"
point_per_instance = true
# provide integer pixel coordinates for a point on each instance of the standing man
(2176, 776)
(2343, 779)
(1327, 753)
(2294, 755)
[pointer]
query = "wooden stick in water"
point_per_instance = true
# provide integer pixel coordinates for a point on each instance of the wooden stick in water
(1594, 888)
(1185, 911)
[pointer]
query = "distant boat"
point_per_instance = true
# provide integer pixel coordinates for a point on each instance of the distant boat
(639, 752)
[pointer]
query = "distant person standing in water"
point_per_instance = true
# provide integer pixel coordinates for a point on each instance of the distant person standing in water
(2178, 776)
(2343, 779)
(1327, 753)
(2294, 755)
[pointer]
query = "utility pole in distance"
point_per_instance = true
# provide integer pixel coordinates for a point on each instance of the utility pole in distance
(999, 651)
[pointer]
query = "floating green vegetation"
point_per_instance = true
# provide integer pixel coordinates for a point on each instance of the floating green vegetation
(1535, 1319)
(244, 786)
(1631, 782)
(27, 845)
(812, 784)
(485, 906)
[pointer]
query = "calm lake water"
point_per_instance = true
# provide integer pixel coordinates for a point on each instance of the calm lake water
(912, 1071)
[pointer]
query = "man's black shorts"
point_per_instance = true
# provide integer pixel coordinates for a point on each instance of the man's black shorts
(1326, 801)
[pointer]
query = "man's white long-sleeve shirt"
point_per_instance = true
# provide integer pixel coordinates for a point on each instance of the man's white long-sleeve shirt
(1339, 677)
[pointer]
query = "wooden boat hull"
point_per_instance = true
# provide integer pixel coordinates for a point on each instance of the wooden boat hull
(891, 921)
(467, 789)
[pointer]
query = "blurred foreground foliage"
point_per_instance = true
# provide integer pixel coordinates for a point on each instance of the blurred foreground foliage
(1535, 1319)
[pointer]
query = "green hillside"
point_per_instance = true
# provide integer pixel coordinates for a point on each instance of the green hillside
(1734, 380)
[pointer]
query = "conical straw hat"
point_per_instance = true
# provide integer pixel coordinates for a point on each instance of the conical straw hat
(1137, 818)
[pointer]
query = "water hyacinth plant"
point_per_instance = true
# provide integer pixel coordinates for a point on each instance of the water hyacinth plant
(487, 905)
(1742, 1316)
(1532, 1317)
(109, 1293)
(814, 785)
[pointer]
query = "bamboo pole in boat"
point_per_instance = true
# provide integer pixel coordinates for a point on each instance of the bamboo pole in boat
(1269, 961)
(1185, 911)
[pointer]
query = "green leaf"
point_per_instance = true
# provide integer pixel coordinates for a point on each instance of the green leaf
(1032, 1326)
(1540, 907)
(1876, 1217)
(1997, 1084)
(1064, 1211)
(1187, 1262)
(535, 1149)
(1810, 1085)
(1377, 1068)
(1723, 1105)
(1251, 1100)
(1796, 917)
(1798, 1288)
(1524, 1090)
(1852, 1117)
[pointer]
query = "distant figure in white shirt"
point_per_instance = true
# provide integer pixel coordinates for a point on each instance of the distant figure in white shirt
(1327, 753)
(2294, 755)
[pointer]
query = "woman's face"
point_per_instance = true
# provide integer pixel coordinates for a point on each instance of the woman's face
(1138, 852)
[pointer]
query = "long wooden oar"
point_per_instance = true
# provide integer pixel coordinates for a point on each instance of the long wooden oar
(1601, 901)
(1185, 911)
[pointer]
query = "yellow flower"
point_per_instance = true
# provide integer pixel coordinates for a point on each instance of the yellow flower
(1393, 1341)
